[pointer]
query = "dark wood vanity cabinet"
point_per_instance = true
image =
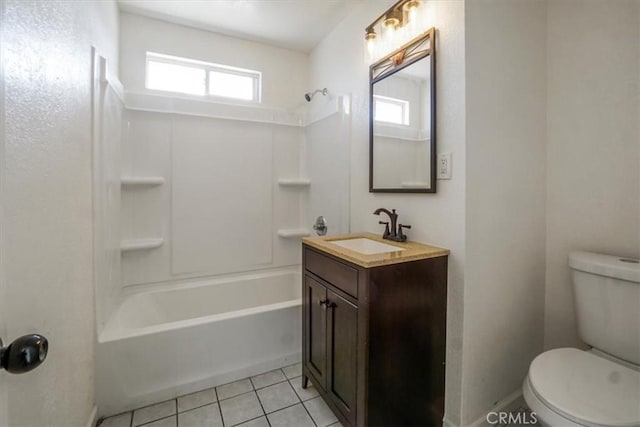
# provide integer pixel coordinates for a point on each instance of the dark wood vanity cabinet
(374, 338)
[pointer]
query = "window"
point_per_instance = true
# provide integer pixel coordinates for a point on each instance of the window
(175, 78)
(174, 74)
(390, 110)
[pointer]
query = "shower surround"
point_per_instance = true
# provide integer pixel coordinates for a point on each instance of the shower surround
(205, 288)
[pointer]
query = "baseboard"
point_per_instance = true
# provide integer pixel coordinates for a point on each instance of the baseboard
(509, 403)
(93, 417)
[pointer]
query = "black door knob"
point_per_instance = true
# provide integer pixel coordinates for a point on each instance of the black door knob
(24, 353)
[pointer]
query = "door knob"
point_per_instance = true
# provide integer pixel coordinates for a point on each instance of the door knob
(24, 353)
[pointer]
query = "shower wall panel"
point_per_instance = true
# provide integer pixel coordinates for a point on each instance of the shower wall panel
(220, 206)
(327, 146)
(107, 127)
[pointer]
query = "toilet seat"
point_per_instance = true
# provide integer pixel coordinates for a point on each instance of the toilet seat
(586, 388)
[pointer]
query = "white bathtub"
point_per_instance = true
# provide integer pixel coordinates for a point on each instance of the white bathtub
(163, 343)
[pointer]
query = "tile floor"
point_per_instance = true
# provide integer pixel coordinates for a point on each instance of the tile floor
(272, 399)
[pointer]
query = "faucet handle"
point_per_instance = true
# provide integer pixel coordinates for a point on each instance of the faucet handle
(401, 236)
(386, 229)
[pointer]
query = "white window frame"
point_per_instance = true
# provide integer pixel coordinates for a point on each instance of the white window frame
(403, 104)
(256, 76)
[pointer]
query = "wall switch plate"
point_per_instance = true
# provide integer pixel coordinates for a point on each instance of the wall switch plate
(444, 166)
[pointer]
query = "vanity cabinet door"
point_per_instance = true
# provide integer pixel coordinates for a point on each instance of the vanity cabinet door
(315, 312)
(342, 353)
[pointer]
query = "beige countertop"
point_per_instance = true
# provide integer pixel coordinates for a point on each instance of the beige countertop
(413, 251)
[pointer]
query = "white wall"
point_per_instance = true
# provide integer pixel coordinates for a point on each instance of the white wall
(593, 180)
(284, 72)
(4, 389)
(47, 203)
(505, 198)
(338, 63)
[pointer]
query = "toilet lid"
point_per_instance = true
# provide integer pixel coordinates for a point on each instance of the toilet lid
(587, 388)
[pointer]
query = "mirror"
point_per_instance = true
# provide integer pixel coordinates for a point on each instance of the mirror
(402, 147)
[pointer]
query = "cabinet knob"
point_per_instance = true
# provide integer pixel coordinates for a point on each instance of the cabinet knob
(323, 302)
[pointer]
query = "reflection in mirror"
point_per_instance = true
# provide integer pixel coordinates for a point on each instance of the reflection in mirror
(402, 146)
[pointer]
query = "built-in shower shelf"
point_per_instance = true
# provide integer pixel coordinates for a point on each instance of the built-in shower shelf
(293, 233)
(294, 182)
(140, 244)
(135, 181)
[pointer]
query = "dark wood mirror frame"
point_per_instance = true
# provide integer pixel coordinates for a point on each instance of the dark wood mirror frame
(421, 47)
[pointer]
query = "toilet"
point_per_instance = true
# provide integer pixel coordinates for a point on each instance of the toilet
(601, 386)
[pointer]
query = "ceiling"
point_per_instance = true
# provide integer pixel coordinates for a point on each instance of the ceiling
(293, 24)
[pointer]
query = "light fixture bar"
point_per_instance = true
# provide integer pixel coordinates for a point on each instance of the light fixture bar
(396, 25)
(394, 12)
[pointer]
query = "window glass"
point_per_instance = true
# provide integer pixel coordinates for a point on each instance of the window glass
(390, 110)
(175, 78)
(232, 85)
(182, 75)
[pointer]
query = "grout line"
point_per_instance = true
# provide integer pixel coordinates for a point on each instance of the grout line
(285, 374)
(196, 407)
(175, 402)
(252, 419)
(219, 401)
(233, 397)
(262, 388)
(153, 404)
(264, 413)
(300, 397)
(310, 416)
(269, 385)
(279, 382)
(159, 419)
(215, 393)
(220, 412)
(283, 408)
(220, 409)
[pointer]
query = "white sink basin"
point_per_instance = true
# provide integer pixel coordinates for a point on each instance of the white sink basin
(366, 246)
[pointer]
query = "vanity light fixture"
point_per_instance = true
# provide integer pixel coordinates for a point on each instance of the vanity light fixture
(370, 38)
(398, 25)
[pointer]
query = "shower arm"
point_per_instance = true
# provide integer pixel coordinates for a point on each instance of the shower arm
(309, 95)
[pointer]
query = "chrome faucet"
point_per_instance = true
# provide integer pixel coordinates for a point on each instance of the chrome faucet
(391, 232)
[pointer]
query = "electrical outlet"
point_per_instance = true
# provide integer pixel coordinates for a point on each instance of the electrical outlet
(444, 166)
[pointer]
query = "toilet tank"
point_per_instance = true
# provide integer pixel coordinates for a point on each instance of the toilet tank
(607, 297)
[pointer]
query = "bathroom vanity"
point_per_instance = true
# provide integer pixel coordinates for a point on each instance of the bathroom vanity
(374, 328)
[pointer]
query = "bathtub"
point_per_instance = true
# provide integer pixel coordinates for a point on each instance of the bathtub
(162, 343)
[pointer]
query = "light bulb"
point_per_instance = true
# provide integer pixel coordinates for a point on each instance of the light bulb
(411, 9)
(389, 28)
(370, 38)
(371, 48)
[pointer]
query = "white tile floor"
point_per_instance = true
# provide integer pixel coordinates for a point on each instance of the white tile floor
(272, 399)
